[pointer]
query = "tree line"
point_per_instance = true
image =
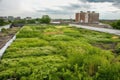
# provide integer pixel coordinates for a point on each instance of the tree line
(44, 20)
(2, 22)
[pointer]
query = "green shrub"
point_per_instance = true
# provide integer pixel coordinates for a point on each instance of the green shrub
(109, 72)
(117, 49)
(116, 24)
(4, 30)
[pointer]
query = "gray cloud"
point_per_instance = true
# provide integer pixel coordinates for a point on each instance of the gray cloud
(100, 0)
(115, 2)
(52, 11)
(75, 6)
(66, 9)
(0, 1)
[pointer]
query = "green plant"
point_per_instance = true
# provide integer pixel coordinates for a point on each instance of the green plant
(116, 24)
(45, 19)
(40, 54)
(117, 49)
(4, 30)
(1, 22)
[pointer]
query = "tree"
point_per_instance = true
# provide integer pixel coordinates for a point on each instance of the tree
(1, 22)
(45, 19)
(31, 21)
(116, 24)
(22, 21)
(38, 20)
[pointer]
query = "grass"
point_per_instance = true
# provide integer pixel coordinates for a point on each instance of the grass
(47, 52)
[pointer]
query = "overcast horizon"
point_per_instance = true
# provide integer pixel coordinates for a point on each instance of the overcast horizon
(108, 9)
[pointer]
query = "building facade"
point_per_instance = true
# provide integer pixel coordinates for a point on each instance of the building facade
(18, 18)
(11, 18)
(28, 18)
(87, 17)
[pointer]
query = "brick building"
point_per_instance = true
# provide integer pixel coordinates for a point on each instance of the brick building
(87, 17)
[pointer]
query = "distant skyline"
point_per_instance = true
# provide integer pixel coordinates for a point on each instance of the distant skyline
(108, 9)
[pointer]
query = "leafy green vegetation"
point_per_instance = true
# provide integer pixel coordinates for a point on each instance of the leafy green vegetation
(45, 19)
(7, 33)
(3, 30)
(116, 24)
(47, 52)
(3, 22)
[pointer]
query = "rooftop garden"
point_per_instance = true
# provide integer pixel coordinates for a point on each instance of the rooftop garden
(49, 52)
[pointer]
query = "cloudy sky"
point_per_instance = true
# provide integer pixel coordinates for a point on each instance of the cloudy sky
(108, 9)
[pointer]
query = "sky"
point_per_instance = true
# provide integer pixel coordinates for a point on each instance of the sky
(59, 9)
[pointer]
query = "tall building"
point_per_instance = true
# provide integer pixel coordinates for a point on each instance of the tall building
(18, 18)
(11, 18)
(28, 18)
(87, 17)
(4, 18)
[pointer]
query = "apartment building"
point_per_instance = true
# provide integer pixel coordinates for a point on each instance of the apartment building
(87, 17)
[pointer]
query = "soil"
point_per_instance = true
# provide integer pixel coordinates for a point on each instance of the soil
(6, 36)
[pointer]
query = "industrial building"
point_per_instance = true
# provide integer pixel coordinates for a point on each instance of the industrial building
(87, 17)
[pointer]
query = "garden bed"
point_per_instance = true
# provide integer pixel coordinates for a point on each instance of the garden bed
(6, 36)
(60, 53)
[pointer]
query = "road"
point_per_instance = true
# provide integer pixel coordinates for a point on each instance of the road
(6, 27)
(111, 31)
